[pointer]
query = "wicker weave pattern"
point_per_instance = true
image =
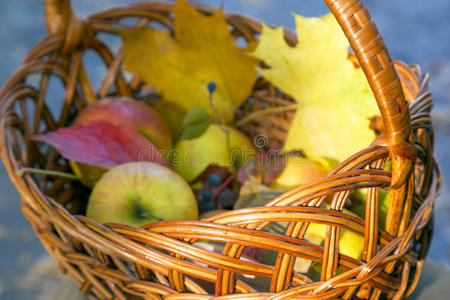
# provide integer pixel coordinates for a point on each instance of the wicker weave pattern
(115, 261)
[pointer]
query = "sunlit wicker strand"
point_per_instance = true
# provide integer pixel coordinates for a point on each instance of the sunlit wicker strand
(116, 261)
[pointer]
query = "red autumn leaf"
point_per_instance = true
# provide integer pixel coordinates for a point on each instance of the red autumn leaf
(102, 144)
(251, 253)
(127, 112)
(266, 166)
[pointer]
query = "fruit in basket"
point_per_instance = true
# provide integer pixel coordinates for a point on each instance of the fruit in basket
(298, 170)
(127, 112)
(350, 243)
(180, 66)
(360, 199)
(253, 194)
(138, 193)
(334, 101)
(190, 157)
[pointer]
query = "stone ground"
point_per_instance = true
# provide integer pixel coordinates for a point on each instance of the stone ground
(415, 31)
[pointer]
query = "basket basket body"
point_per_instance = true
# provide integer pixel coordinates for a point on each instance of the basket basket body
(115, 261)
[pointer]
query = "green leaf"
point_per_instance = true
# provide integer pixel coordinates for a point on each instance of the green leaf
(195, 123)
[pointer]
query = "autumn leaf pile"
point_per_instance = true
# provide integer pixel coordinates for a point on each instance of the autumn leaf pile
(203, 77)
(334, 101)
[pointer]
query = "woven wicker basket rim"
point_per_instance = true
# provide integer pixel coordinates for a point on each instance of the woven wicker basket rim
(64, 234)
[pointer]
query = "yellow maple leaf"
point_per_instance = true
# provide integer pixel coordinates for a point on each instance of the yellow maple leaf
(333, 97)
(202, 51)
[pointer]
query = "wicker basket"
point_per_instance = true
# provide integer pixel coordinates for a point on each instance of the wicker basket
(159, 260)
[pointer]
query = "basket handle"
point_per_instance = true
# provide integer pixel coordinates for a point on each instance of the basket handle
(378, 67)
(57, 16)
(372, 55)
(374, 58)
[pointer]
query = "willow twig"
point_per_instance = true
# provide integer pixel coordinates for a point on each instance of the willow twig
(24, 171)
(223, 125)
(263, 112)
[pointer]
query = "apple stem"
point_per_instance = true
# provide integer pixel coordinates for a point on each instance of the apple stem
(263, 112)
(157, 218)
(24, 171)
(147, 216)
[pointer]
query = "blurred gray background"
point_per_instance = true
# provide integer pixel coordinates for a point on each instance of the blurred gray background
(415, 31)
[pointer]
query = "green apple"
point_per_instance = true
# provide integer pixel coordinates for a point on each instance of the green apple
(350, 243)
(138, 193)
(360, 197)
(242, 148)
(130, 113)
(190, 157)
(253, 194)
(298, 171)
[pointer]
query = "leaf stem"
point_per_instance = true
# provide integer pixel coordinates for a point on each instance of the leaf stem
(263, 112)
(213, 108)
(222, 126)
(24, 171)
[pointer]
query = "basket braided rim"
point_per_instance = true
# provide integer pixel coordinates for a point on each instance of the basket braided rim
(97, 256)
